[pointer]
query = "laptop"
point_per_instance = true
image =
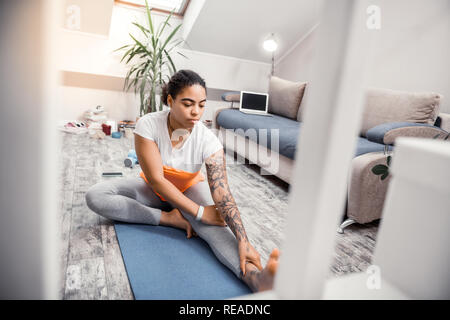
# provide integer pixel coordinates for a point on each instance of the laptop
(254, 103)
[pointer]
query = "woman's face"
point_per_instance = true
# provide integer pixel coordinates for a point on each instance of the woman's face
(188, 106)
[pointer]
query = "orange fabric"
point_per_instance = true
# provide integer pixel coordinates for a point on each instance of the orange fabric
(179, 178)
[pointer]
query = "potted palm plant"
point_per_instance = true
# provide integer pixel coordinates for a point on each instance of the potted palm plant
(150, 61)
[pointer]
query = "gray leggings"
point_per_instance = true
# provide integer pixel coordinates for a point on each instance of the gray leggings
(132, 200)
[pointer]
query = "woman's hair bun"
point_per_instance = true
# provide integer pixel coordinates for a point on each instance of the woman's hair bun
(178, 81)
(165, 93)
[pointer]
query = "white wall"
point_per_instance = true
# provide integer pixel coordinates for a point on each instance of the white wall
(82, 15)
(410, 51)
(228, 73)
(295, 66)
(92, 54)
(75, 100)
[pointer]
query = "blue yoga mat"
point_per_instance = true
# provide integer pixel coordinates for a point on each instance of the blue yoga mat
(163, 264)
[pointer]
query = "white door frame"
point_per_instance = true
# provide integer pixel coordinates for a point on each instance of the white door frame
(28, 198)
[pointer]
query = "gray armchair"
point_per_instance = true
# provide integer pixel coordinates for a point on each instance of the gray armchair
(367, 191)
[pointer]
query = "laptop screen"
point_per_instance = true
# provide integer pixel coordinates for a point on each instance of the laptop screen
(254, 101)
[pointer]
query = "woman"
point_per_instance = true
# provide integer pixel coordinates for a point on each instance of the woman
(171, 146)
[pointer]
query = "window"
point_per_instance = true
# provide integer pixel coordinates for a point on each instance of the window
(166, 6)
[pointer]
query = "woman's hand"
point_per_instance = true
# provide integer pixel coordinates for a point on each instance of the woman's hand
(212, 216)
(248, 254)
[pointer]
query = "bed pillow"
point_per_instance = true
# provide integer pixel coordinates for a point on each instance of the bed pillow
(285, 97)
(383, 106)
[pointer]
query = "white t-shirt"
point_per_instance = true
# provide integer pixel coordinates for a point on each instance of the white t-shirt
(200, 144)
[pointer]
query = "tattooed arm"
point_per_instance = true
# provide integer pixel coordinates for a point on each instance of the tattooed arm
(221, 194)
(225, 204)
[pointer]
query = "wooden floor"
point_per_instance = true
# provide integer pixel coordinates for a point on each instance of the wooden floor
(91, 261)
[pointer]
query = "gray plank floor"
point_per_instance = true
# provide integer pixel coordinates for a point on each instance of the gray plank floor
(91, 261)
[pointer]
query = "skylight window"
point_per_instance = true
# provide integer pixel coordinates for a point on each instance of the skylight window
(179, 6)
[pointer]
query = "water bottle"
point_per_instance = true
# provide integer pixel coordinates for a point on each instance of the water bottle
(131, 159)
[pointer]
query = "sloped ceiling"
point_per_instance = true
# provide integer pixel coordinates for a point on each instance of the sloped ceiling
(238, 28)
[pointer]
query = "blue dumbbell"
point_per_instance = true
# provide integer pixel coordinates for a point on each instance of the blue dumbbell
(131, 159)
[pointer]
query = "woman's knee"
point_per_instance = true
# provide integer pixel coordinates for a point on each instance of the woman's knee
(96, 199)
(91, 199)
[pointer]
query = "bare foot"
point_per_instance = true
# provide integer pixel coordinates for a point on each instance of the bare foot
(174, 218)
(262, 280)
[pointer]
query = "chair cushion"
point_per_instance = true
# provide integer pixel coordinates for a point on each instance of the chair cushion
(285, 97)
(383, 105)
(288, 129)
(365, 146)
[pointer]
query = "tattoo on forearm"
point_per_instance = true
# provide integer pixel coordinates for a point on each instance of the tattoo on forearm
(218, 183)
